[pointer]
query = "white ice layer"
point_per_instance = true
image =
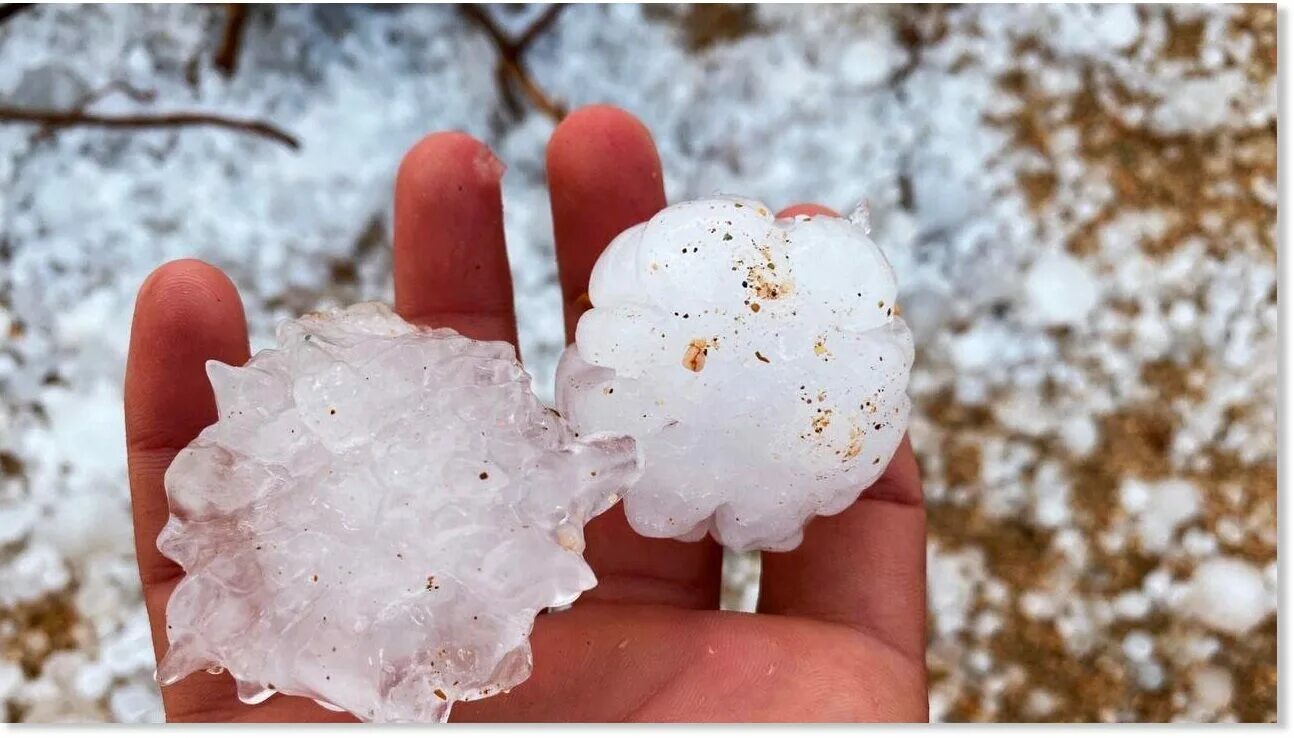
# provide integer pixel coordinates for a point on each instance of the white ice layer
(376, 518)
(760, 363)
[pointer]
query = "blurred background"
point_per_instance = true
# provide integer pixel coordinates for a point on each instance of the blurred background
(1080, 202)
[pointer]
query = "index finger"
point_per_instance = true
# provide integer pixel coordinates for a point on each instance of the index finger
(450, 261)
(187, 313)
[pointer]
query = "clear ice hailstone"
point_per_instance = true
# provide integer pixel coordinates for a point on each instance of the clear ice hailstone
(376, 518)
(760, 363)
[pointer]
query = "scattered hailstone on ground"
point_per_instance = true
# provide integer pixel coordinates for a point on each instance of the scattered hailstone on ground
(376, 518)
(1060, 290)
(760, 363)
(1228, 595)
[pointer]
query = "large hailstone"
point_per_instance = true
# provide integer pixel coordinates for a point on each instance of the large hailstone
(376, 518)
(760, 364)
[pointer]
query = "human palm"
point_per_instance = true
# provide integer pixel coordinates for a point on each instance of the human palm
(840, 629)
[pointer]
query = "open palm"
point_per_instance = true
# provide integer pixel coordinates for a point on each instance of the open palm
(840, 631)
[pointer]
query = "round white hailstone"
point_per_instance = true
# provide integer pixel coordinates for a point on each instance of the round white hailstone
(979, 661)
(129, 649)
(1199, 543)
(38, 570)
(1041, 703)
(1138, 646)
(1157, 585)
(1060, 290)
(1079, 434)
(16, 519)
(86, 525)
(11, 679)
(1150, 676)
(1132, 605)
(376, 518)
(1213, 688)
(1159, 509)
(987, 624)
(135, 703)
(760, 364)
(869, 61)
(1037, 606)
(92, 681)
(1228, 595)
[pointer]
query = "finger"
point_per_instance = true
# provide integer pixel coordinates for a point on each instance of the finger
(601, 663)
(451, 263)
(604, 176)
(866, 566)
(805, 208)
(186, 314)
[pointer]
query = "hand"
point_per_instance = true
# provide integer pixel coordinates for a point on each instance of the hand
(840, 633)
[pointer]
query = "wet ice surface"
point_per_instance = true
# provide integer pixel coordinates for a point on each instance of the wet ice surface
(376, 518)
(759, 363)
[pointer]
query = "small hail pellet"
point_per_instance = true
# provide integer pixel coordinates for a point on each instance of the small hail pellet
(760, 363)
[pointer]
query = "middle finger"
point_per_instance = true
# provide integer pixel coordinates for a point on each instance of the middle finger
(451, 262)
(604, 175)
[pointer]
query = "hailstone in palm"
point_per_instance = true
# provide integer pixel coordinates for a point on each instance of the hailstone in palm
(376, 518)
(760, 363)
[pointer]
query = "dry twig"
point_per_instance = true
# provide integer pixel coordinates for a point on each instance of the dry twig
(51, 120)
(226, 59)
(511, 68)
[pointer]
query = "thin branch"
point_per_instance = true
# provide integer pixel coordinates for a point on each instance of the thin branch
(511, 65)
(55, 119)
(538, 27)
(226, 59)
(137, 94)
(9, 10)
(548, 106)
(482, 18)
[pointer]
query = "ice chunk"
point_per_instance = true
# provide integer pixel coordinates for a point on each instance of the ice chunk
(760, 363)
(1228, 594)
(1159, 509)
(1212, 688)
(376, 518)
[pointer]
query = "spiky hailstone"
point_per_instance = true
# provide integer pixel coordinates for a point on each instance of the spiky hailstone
(760, 363)
(376, 518)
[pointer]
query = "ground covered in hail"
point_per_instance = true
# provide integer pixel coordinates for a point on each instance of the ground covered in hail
(1080, 203)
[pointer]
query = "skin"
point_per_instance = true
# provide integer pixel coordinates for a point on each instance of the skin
(840, 629)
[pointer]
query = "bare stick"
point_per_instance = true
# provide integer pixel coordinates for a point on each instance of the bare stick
(226, 59)
(55, 119)
(511, 66)
(538, 27)
(482, 18)
(546, 105)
